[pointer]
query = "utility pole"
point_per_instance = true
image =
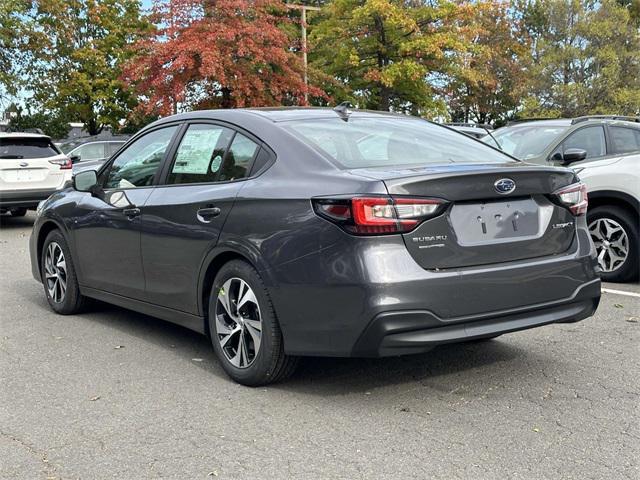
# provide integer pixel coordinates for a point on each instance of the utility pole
(304, 9)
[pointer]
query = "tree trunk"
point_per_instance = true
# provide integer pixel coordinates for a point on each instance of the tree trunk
(227, 100)
(384, 101)
(385, 98)
(92, 127)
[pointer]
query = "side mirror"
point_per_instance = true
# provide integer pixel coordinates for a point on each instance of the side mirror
(85, 181)
(573, 155)
(75, 158)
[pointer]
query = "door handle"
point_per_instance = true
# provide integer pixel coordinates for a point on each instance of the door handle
(206, 214)
(131, 212)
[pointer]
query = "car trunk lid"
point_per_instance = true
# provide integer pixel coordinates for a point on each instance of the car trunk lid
(28, 163)
(483, 225)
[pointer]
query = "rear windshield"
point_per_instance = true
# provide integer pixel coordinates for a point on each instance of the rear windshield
(526, 142)
(27, 148)
(377, 142)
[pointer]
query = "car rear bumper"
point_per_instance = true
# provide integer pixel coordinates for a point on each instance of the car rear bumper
(416, 331)
(368, 297)
(24, 198)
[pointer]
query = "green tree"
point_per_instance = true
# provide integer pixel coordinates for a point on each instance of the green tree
(489, 77)
(54, 124)
(136, 121)
(634, 9)
(78, 48)
(12, 43)
(381, 54)
(586, 58)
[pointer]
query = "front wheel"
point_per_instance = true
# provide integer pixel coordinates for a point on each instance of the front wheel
(614, 232)
(244, 329)
(59, 276)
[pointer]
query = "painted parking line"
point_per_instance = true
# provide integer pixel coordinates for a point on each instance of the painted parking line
(621, 292)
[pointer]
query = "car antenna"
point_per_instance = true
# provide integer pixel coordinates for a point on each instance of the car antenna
(344, 110)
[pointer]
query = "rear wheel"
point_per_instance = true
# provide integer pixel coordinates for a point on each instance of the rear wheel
(614, 232)
(59, 276)
(18, 212)
(244, 329)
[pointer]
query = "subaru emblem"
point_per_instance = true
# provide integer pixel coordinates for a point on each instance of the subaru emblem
(505, 186)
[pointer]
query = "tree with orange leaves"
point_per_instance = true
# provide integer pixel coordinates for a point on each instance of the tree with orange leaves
(217, 54)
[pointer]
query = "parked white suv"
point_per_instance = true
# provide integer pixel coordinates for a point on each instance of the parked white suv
(613, 186)
(31, 169)
(605, 152)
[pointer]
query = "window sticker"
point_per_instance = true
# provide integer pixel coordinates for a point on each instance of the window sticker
(196, 149)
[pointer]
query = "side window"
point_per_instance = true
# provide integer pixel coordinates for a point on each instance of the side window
(199, 156)
(262, 160)
(137, 164)
(625, 140)
(590, 139)
(239, 158)
(113, 147)
(90, 151)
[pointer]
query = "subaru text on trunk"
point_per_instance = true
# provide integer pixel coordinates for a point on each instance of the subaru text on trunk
(288, 232)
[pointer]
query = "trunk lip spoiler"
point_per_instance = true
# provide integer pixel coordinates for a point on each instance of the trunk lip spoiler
(440, 170)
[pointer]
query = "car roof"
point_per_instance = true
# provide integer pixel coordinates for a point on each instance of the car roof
(86, 140)
(283, 114)
(277, 114)
(82, 144)
(23, 135)
(623, 123)
(568, 122)
(557, 122)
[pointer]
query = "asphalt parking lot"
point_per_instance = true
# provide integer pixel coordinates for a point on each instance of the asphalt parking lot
(116, 394)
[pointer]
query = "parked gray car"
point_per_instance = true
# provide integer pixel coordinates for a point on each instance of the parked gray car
(288, 232)
(90, 155)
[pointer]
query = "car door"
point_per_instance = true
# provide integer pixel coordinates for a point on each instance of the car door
(625, 140)
(184, 216)
(589, 138)
(107, 226)
(620, 172)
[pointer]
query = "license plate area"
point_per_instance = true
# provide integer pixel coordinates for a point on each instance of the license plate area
(500, 221)
(23, 175)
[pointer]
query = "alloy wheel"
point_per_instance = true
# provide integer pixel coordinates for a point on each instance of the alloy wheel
(611, 242)
(238, 322)
(55, 270)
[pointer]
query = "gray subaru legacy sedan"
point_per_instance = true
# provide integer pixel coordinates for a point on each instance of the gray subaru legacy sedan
(287, 232)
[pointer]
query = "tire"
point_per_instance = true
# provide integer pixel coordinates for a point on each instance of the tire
(18, 212)
(622, 223)
(229, 325)
(71, 301)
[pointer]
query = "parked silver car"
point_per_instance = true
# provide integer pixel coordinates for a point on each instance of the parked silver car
(90, 155)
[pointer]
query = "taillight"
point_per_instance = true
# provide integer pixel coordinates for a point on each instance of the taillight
(574, 197)
(65, 163)
(378, 215)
